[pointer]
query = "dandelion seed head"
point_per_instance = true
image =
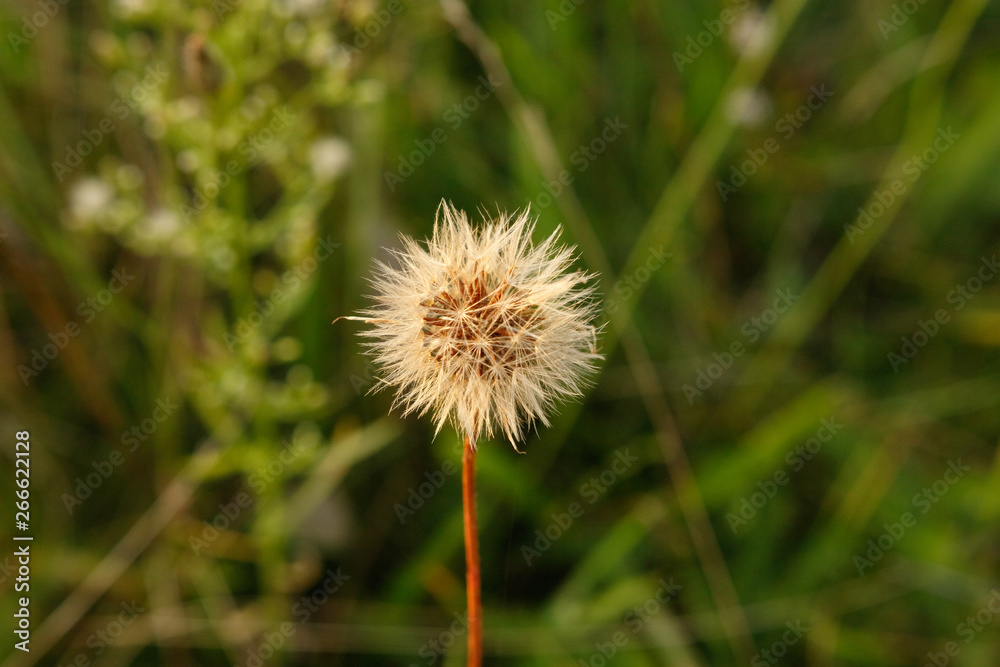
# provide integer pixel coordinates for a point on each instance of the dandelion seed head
(481, 327)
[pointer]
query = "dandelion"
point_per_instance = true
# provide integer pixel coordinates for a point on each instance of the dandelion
(485, 330)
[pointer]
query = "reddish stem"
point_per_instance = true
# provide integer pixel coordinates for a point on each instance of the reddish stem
(475, 604)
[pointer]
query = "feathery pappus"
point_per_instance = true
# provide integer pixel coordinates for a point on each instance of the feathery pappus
(482, 327)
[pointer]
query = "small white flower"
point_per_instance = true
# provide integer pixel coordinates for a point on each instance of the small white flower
(748, 106)
(481, 326)
(89, 199)
(160, 225)
(752, 33)
(329, 157)
(131, 8)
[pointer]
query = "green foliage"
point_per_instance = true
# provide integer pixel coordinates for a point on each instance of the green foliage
(190, 194)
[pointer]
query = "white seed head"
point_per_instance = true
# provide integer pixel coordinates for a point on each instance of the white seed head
(482, 327)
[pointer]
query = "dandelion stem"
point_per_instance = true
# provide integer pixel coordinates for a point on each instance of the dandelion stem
(474, 602)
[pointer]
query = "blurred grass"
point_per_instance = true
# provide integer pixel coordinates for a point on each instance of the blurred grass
(294, 378)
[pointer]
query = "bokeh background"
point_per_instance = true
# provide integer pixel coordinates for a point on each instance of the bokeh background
(788, 456)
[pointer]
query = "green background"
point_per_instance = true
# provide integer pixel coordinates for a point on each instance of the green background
(189, 195)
